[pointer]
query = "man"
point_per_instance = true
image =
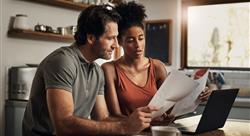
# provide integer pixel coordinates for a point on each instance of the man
(68, 86)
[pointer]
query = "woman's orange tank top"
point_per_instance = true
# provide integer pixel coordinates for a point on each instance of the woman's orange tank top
(132, 96)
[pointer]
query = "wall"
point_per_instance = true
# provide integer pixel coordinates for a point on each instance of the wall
(1, 75)
(15, 51)
(167, 9)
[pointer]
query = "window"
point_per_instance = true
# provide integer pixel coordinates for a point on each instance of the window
(215, 34)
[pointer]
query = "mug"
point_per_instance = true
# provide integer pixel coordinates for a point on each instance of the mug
(165, 131)
(21, 22)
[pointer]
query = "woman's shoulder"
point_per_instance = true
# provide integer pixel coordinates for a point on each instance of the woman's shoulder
(157, 63)
(109, 66)
(109, 69)
(160, 71)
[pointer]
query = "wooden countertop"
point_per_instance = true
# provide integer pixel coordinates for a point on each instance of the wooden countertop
(232, 127)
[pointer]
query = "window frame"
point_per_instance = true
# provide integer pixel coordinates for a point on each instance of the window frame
(184, 31)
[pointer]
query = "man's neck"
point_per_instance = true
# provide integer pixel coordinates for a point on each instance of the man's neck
(87, 53)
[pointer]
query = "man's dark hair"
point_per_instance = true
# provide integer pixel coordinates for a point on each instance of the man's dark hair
(132, 14)
(93, 21)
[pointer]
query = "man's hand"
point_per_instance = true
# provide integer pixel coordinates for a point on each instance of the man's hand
(139, 120)
(163, 120)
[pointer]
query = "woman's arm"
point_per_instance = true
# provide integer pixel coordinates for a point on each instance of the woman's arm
(160, 72)
(160, 76)
(110, 89)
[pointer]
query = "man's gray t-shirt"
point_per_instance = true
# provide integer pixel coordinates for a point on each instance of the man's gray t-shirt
(65, 68)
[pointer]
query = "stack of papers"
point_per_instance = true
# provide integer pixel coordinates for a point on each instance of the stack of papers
(180, 91)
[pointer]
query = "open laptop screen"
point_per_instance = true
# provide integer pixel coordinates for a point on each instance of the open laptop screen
(214, 115)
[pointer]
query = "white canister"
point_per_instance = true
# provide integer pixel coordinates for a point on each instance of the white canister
(21, 22)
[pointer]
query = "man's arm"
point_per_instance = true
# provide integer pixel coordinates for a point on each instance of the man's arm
(100, 111)
(60, 105)
(61, 108)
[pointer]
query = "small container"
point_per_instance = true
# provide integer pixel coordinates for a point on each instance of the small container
(40, 28)
(49, 29)
(21, 22)
(62, 30)
(71, 30)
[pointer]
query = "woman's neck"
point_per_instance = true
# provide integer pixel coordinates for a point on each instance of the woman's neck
(132, 62)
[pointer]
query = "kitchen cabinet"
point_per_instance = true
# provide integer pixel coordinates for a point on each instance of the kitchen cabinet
(14, 112)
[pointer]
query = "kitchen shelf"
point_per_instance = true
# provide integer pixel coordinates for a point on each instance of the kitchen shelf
(30, 34)
(63, 3)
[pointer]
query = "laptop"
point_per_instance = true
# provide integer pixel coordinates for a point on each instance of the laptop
(214, 115)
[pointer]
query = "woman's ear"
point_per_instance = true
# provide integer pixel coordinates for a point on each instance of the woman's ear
(90, 39)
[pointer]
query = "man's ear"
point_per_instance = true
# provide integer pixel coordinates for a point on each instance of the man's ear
(91, 38)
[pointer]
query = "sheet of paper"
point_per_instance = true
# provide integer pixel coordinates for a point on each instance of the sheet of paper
(189, 103)
(176, 86)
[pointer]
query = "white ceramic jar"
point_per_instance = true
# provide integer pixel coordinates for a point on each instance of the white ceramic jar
(21, 22)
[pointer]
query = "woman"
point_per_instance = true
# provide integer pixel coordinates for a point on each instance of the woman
(133, 79)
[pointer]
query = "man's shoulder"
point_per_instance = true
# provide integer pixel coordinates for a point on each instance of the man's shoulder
(62, 57)
(63, 53)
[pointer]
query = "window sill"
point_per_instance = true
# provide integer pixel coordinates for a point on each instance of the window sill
(239, 102)
(242, 102)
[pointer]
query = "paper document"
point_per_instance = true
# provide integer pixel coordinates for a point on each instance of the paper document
(189, 103)
(176, 86)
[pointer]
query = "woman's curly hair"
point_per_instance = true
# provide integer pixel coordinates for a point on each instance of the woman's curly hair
(132, 14)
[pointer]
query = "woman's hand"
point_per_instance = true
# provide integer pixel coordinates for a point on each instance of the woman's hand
(205, 94)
